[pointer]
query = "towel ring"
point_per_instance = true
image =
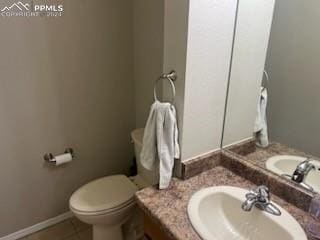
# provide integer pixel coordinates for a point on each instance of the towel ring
(170, 77)
(266, 82)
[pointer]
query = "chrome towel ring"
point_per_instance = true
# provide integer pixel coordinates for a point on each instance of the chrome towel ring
(171, 77)
(265, 79)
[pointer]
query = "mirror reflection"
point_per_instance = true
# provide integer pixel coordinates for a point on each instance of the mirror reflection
(279, 108)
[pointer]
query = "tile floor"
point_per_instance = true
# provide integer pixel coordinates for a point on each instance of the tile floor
(71, 229)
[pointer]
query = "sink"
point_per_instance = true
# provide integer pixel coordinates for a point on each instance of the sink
(286, 164)
(216, 214)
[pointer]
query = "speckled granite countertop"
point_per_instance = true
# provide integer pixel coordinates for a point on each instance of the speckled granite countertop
(168, 208)
(259, 156)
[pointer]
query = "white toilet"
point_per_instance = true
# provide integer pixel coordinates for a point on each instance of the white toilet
(107, 203)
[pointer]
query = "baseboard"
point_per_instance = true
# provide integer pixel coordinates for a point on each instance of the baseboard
(37, 227)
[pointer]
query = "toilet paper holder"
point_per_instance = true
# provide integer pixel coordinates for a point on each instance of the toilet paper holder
(50, 158)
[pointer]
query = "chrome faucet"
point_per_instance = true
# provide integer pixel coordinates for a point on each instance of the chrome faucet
(260, 198)
(302, 171)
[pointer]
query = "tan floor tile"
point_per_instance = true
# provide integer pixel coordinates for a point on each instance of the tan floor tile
(79, 226)
(57, 232)
(86, 235)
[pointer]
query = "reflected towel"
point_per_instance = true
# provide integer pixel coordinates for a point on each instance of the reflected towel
(160, 141)
(260, 126)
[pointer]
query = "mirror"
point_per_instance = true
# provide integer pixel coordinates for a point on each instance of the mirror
(284, 41)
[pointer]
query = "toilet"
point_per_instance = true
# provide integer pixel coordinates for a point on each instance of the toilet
(108, 203)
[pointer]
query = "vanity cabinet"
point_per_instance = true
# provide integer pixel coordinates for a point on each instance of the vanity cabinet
(152, 230)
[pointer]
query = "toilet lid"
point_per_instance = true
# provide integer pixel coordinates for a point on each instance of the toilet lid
(103, 194)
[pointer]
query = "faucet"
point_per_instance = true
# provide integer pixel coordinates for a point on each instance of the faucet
(302, 171)
(260, 198)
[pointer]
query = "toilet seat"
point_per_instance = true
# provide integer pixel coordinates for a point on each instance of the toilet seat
(106, 211)
(104, 195)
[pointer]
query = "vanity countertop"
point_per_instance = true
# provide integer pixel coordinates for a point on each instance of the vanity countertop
(168, 208)
(259, 156)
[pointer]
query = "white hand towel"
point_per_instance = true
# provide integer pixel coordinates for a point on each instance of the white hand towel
(260, 126)
(160, 141)
(148, 153)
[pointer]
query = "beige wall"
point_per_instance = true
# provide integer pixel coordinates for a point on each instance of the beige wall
(249, 54)
(65, 82)
(293, 65)
(148, 34)
(175, 50)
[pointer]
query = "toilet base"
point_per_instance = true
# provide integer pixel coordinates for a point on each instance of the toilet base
(101, 232)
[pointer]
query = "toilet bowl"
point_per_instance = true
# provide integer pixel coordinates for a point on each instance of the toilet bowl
(108, 203)
(105, 203)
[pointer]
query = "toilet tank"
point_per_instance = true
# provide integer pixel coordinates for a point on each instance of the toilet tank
(150, 177)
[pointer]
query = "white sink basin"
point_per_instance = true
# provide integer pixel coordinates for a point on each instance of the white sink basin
(286, 164)
(216, 214)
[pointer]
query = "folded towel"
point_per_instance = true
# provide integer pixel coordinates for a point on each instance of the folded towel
(260, 126)
(160, 141)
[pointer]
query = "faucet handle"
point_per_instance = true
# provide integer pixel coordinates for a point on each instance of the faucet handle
(263, 193)
(263, 188)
